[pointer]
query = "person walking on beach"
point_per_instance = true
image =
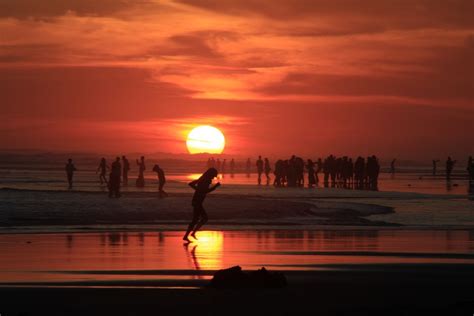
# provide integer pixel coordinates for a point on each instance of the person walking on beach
(114, 179)
(392, 166)
(267, 170)
(311, 173)
(259, 169)
(449, 167)
(125, 170)
(141, 172)
(103, 170)
(161, 181)
(70, 168)
(201, 189)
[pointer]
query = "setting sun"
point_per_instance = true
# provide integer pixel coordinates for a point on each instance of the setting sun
(205, 139)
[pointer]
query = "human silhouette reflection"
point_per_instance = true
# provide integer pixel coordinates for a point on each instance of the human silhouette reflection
(191, 254)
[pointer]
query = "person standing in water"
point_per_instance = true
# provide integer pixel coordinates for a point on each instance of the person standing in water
(201, 187)
(114, 179)
(267, 170)
(311, 173)
(392, 166)
(70, 168)
(141, 172)
(259, 169)
(125, 170)
(449, 167)
(103, 170)
(161, 181)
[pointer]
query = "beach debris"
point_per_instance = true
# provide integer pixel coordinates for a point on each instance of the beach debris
(234, 278)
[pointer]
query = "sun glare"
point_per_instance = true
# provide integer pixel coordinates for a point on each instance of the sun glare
(205, 139)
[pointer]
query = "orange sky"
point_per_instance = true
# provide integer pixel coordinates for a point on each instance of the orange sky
(395, 78)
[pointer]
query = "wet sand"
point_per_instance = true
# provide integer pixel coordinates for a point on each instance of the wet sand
(329, 272)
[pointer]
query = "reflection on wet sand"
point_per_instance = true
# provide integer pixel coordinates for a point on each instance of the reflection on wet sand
(159, 256)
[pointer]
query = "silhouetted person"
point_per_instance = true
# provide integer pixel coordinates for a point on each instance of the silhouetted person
(449, 167)
(248, 167)
(103, 170)
(319, 167)
(223, 166)
(125, 170)
(278, 182)
(70, 168)
(311, 172)
(201, 187)
(435, 166)
(259, 169)
(291, 172)
(359, 172)
(141, 172)
(267, 170)
(114, 178)
(392, 166)
(299, 171)
(470, 168)
(161, 181)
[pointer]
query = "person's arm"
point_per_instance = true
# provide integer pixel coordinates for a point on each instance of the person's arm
(218, 184)
(193, 184)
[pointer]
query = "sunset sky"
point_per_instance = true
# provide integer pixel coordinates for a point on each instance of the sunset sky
(394, 78)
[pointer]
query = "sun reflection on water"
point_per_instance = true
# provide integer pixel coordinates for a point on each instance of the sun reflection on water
(206, 252)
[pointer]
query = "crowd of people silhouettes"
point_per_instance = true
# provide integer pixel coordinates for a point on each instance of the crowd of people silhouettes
(341, 172)
(118, 175)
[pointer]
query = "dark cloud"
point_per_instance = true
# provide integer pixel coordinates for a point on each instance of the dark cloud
(448, 73)
(381, 14)
(30, 53)
(198, 44)
(86, 92)
(22, 9)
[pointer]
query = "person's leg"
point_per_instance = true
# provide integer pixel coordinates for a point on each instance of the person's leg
(192, 224)
(202, 221)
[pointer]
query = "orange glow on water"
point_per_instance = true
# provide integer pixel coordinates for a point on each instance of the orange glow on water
(158, 256)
